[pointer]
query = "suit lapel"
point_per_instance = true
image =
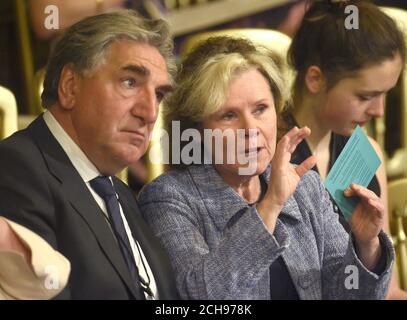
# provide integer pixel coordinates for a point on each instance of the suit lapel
(156, 257)
(77, 193)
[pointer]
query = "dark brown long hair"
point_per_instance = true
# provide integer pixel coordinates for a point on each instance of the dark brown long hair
(324, 41)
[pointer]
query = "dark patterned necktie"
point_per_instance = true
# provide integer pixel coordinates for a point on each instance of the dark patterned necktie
(104, 188)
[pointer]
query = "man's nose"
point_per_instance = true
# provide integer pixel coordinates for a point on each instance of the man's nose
(146, 105)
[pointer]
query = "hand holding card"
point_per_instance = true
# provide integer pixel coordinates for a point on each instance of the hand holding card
(356, 164)
(346, 182)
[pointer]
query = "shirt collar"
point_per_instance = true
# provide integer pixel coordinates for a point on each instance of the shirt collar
(80, 161)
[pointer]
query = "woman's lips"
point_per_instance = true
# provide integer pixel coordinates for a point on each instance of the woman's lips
(361, 123)
(253, 151)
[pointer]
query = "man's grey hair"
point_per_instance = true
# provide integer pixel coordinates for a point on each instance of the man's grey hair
(83, 46)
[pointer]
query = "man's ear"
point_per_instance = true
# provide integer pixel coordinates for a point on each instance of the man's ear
(314, 79)
(66, 88)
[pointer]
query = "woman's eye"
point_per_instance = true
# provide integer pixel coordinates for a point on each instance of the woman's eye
(364, 98)
(260, 109)
(129, 83)
(228, 116)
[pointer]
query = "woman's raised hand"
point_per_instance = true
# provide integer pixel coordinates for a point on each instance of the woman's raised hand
(284, 176)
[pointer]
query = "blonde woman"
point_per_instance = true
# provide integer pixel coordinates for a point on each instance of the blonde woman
(265, 233)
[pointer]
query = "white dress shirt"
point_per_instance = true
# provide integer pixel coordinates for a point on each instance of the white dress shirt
(88, 172)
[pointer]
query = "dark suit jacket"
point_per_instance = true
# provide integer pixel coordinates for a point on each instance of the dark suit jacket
(40, 189)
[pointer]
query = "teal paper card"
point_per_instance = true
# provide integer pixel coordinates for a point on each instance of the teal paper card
(357, 163)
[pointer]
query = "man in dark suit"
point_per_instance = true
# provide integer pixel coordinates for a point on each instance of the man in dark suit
(105, 79)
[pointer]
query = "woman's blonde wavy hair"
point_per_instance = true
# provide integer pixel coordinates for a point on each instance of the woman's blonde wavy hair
(205, 75)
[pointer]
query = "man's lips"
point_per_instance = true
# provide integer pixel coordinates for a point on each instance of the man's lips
(136, 134)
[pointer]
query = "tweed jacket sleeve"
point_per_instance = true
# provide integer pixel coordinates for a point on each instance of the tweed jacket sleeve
(343, 275)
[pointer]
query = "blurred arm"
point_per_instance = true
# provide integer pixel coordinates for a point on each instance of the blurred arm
(70, 12)
(29, 267)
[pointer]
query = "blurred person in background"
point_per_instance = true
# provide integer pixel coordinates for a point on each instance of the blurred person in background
(342, 79)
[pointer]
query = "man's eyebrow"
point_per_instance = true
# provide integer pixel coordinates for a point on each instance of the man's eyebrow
(140, 70)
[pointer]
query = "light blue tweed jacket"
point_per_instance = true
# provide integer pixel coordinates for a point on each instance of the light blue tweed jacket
(220, 248)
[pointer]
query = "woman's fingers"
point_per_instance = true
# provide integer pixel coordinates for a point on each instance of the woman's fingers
(306, 165)
(295, 132)
(368, 197)
(296, 140)
(362, 192)
(376, 205)
(286, 147)
(281, 156)
(294, 137)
